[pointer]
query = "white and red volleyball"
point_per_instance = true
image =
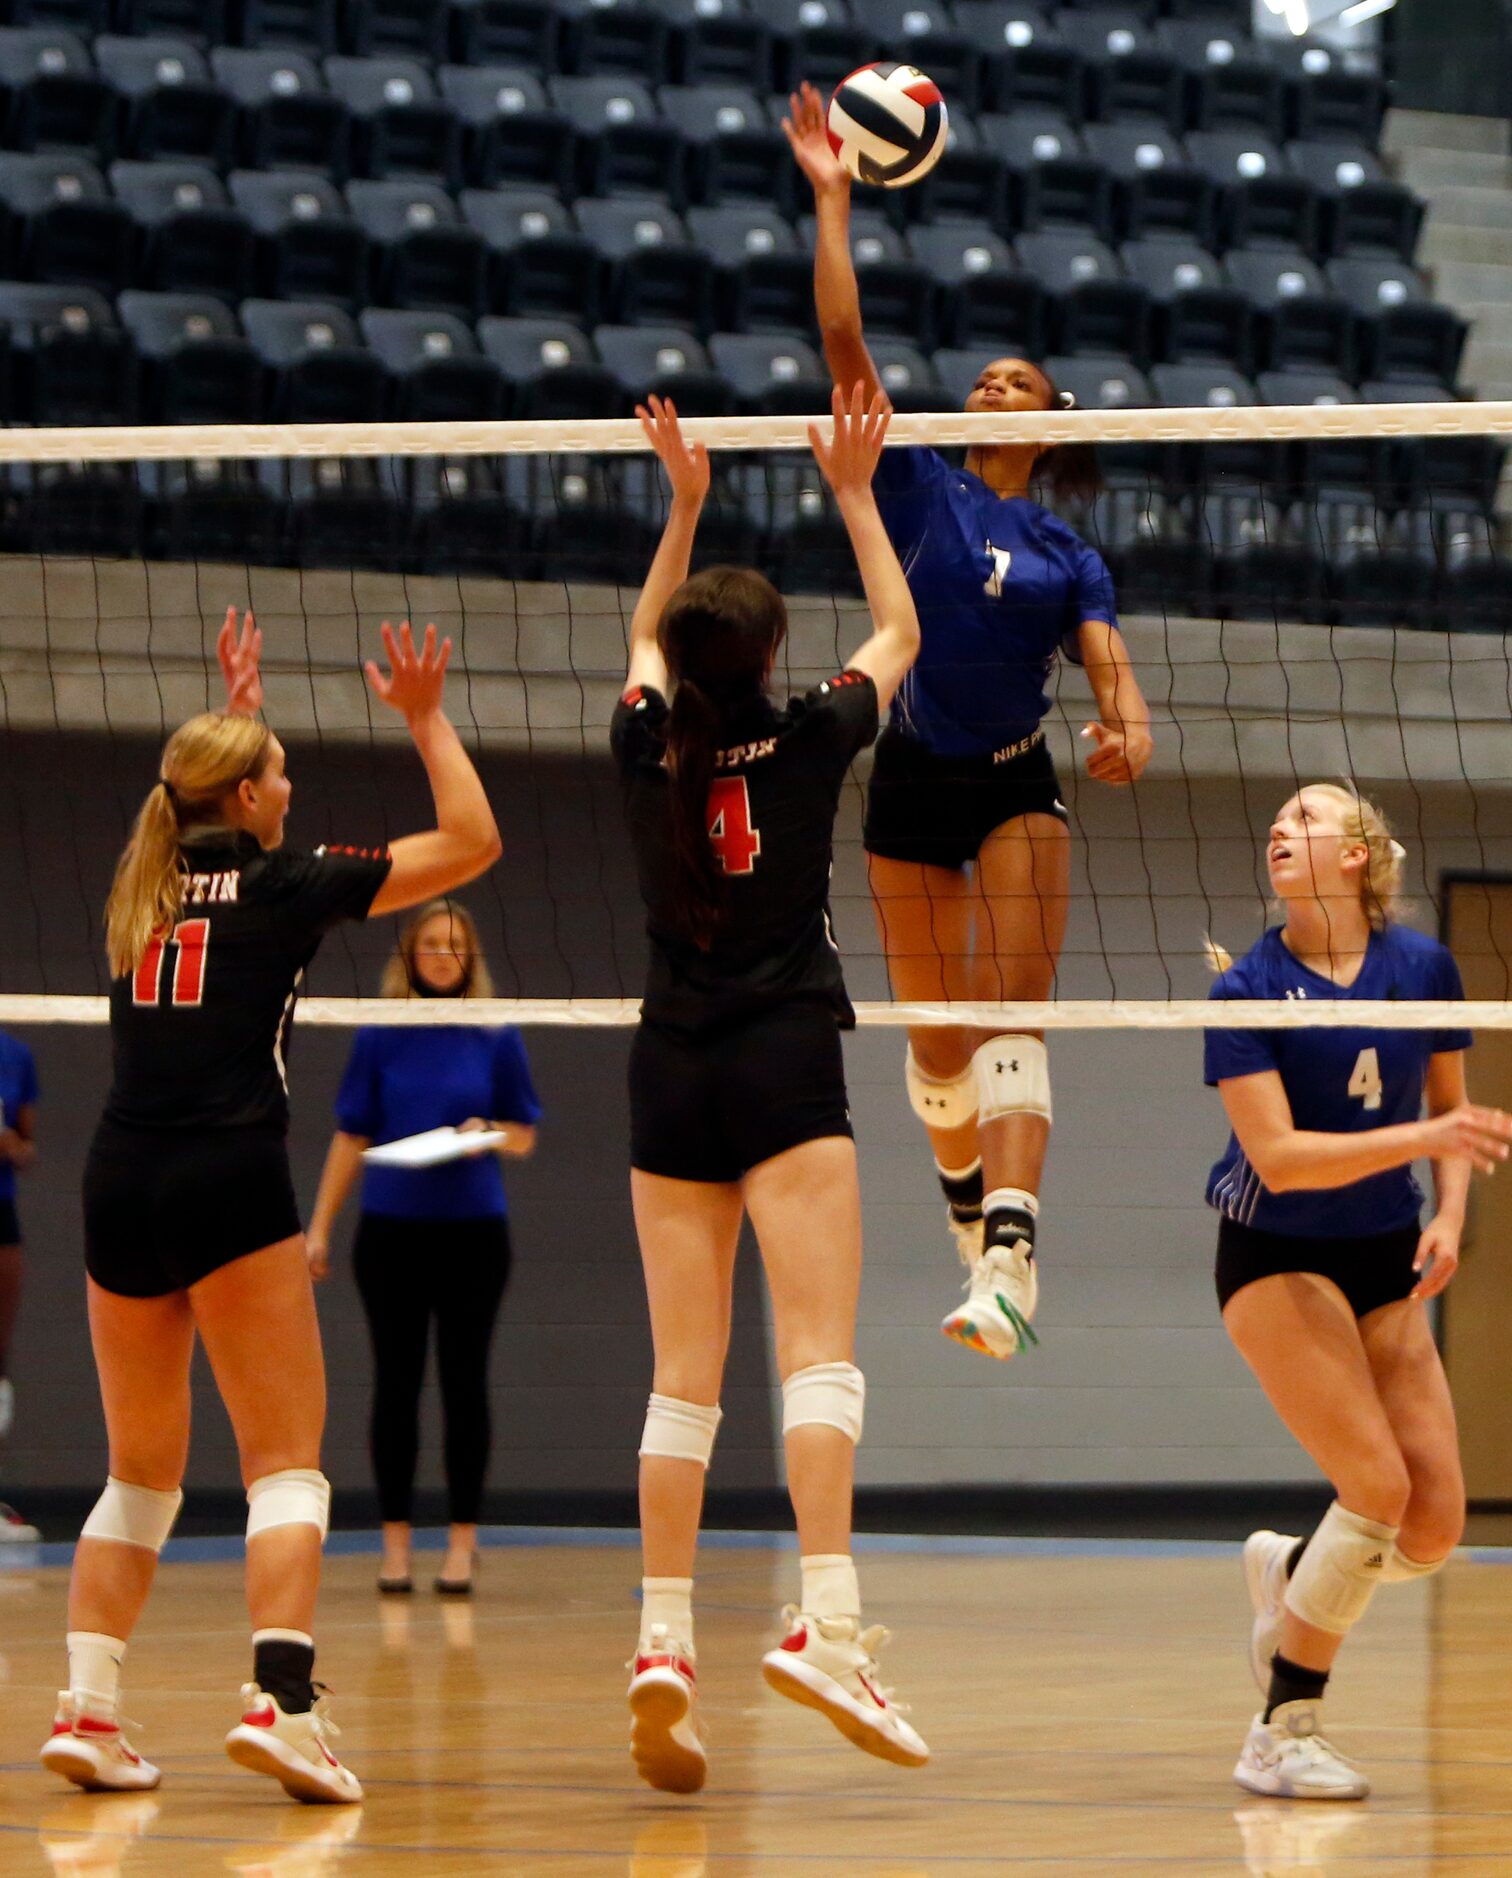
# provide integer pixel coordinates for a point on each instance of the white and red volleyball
(887, 124)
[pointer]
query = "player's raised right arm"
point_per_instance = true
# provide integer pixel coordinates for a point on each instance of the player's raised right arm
(465, 841)
(837, 299)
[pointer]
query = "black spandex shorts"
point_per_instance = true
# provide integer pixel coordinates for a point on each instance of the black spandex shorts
(10, 1226)
(1370, 1271)
(163, 1208)
(940, 809)
(711, 1108)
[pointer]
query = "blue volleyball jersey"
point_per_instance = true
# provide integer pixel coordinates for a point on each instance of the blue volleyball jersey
(18, 1090)
(1001, 586)
(1337, 1081)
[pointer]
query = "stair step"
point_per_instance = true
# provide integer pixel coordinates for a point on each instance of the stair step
(1459, 282)
(1463, 206)
(1442, 130)
(1428, 171)
(1447, 243)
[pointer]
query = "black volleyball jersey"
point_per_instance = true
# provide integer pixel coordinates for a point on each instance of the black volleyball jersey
(771, 821)
(199, 1030)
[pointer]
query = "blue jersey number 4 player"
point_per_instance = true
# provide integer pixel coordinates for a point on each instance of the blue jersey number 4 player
(1323, 1268)
(966, 834)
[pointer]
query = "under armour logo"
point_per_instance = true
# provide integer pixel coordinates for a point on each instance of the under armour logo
(1012, 1065)
(1375, 1562)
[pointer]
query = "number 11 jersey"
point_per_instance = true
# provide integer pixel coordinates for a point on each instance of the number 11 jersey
(1338, 1081)
(199, 1030)
(771, 816)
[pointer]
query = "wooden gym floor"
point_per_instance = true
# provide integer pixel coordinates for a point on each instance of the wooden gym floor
(1084, 1702)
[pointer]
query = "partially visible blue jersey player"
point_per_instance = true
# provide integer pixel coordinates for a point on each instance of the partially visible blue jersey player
(969, 852)
(1323, 1266)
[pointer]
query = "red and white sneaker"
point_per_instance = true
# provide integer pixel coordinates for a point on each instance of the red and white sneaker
(91, 1751)
(292, 1749)
(665, 1742)
(830, 1663)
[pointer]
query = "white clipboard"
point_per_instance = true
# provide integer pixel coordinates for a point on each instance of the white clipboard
(434, 1148)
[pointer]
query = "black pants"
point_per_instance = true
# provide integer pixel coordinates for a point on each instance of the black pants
(409, 1271)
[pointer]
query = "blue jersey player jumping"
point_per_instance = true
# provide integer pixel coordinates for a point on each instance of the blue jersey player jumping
(1323, 1268)
(966, 834)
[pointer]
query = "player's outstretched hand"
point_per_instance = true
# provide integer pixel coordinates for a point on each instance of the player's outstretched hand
(1469, 1132)
(687, 466)
(1437, 1257)
(239, 650)
(1119, 753)
(849, 460)
(415, 680)
(808, 137)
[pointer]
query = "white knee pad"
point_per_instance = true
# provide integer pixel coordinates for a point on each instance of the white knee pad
(940, 1101)
(1399, 1569)
(1337, 1575)
(131, 1515)
(832, 1393)
(299, 1496)
(680, 1431)
(1012, 1078)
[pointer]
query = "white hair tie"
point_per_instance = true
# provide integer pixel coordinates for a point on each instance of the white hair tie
(1398, 852)
(1066, 400)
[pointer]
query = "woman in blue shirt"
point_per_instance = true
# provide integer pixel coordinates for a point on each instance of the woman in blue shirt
(969, 852)
(1323, 1269)
(432, 1242)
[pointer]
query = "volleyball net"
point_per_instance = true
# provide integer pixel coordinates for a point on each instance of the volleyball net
(1308, 593)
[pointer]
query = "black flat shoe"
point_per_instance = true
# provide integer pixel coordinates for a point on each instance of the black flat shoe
(396, 1587)
(455, 1587)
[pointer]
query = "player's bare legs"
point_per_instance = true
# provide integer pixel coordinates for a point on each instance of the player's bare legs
(1414, 1391)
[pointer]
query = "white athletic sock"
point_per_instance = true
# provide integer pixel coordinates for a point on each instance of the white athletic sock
(94, 1669)
(667, 1603)
(829, 1585)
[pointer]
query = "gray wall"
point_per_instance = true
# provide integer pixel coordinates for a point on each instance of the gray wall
(1133, 1383)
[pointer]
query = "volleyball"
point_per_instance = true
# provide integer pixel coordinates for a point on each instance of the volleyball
(887, 124)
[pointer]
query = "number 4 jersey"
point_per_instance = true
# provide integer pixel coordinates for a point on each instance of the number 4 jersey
(1338, 1082)
(771, 817)
(199, 1029)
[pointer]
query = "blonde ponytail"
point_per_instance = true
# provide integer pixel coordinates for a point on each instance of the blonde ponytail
(203, 762)
(1218, 960)
(1381, 879)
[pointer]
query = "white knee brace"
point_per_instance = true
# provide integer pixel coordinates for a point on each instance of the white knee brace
(1337, 1575)
(133, 1515)
(832, 1393)
(940, 1101)
(680, 1431)
(1398, 1568)
(298, 1496)
(1012, 1078)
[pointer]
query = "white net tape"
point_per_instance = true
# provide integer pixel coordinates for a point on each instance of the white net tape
(1061, 1014)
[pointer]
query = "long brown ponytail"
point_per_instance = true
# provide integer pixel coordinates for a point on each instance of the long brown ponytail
(203, 761)
(719, 634)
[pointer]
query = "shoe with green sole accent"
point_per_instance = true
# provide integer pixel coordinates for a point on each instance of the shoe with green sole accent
(1001, 1295)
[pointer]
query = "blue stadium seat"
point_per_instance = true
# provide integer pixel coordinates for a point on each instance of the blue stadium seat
(984, 297)
(1265, 204)
(58, 224)
(437, 369)
(1097, 308)
(580, 523)
(736, 152)
(210, 509)
(807, 545)
(654, 273)
(1056, 184)
(1328, 99)
(552, 367)
(1266, 563)
(402, 128)
(1200, 314)
(515, 136)
(908, 378)
(85, 17)
(71, 363)
(1364, 211)
(1402, 334)
(924, 33)
(193, 241)
(1474, 590)
(1379, 566)
(1306, 325)
(1231, 83)
(466, 515)
(1024, 63)
(718, 42)
(51, 96)
(1442, 472)
(506, 32)
(318, 370)
(1107, 382)
(969, 183)
(1159, 561)
(668, 361)
(342, 511)
(1129, 72)
(817, 40)
(538, 262)
(624, 146)
(87, 509)
(289, 120)
(765, 274)
(198, 369)
(399, 29)
(427, 257)
(311, 248)
(1346, 462)
(171, 105)
(1158, 191)
(627, 36)
(1217, 387)
(311, 26)
(776, 374)
(897, 295)
(201, 22)
(733, 525)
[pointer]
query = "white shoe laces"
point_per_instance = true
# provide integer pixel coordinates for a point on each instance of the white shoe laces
(870, 1641)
